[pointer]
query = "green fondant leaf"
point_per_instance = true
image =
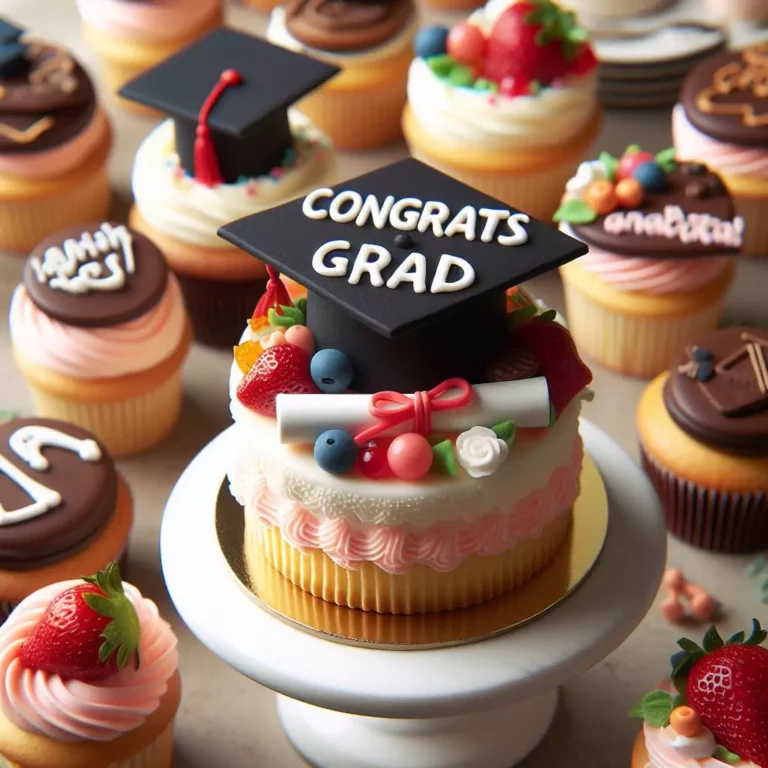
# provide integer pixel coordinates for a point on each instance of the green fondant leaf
(290, 316)
(632, 149)
(666, 160)
(301, 305)
(461, 76)
(611, 164)
(444, 459)
(575, 212)
(483, 84)
(657, 707)
(506, 431)
(441, 65)
(712, 640)
(758, 634)
(637, 710)
(724, 756)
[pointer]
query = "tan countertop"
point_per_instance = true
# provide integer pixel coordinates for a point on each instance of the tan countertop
(227, 720)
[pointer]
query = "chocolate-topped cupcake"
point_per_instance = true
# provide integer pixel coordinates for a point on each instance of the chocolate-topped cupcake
(65, 510)
(54, 141)
(704, 440)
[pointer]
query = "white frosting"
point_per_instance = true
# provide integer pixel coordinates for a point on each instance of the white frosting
(177, 205)
(586, 173)
(692, 747)
(480, 451)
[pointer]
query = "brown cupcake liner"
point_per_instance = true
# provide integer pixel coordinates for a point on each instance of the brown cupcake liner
(218, 309)
(709, 518)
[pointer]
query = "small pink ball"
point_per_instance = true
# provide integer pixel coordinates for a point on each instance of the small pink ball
(409, 456)
(466, 43)
(300, 336)
(274, 339)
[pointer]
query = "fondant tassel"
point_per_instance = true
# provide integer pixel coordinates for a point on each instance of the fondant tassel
(275, 295)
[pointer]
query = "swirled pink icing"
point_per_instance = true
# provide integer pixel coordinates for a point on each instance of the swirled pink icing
(147, 21)
(655, 276)
(70, 710)
(442, 546)
(730, 159)
(86, 353)
(64, 158)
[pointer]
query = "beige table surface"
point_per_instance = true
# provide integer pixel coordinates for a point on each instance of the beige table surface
(227, 721)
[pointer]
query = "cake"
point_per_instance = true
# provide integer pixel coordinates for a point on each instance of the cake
(54, 142)
(90, 677)
(494, 105)
(662, 241)
(232, 147)
(66, 510)
(711, 711)
(353, 488)
(371, 44)
(720, 120)
(98, 330)
(610, 9)
(703, 429)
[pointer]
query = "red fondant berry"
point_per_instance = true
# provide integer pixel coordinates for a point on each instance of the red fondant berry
(466, 43)
(372, 459)
(410, 456)
(629, 161)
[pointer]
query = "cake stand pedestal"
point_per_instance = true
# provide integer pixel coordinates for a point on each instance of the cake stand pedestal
(483, 705)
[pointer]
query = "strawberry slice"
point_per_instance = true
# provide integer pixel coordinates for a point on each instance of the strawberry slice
(552, 346)
(88, 632)
(278, 370)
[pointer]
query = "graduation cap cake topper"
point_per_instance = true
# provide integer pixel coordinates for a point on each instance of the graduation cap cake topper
(228, 95)
(406, 270)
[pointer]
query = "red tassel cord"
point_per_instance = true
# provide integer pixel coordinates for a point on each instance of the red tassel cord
(206, 164)
(275, 295)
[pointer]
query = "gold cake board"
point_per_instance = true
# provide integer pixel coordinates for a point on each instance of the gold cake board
(274, 593)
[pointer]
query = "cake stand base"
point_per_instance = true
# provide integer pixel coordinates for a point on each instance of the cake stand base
(497, 738)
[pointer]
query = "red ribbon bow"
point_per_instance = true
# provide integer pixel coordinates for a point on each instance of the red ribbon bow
(393, 408)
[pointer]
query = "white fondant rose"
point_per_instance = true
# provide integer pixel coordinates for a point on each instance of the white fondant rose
(586, 173)
(480, 451)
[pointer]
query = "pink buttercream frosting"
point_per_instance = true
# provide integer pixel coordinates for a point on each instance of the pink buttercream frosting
(87, 353)
(70, 710)
(147, 21)
(728, 159)
(64, 158)
(654, 276)
(442, 546)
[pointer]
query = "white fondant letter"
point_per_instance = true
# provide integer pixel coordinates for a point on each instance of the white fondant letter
(372, 209)
(493, 217)
(405, 222)
(308, 206)
(519, 235)
(412, 270)
(440, 282)
(434, 215)
(364, 264)
(338, 267)
(464, 222)
(348, 197)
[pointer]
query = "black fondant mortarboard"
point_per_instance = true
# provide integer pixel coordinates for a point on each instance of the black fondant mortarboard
(405, 326)
(228, 95)
(12, 49)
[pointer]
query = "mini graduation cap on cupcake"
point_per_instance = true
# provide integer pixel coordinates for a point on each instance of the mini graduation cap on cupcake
(406, 270)
(228, 95)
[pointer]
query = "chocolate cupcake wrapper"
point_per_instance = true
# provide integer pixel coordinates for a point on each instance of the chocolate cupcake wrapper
(709, 518)
(219, 310)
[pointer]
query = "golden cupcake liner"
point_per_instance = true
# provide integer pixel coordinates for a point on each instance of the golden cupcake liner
(158, 754)
(24, 222)
(261, 5)
(420, 589)
(710, 518)
(633, 344)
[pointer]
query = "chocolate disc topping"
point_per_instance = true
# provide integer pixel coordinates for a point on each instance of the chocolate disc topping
(96, 275)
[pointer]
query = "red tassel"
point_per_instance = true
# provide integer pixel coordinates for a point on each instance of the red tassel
(206, 164)
(275, 295)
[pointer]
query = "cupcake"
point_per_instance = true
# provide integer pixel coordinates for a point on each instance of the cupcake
(231, 148)
(491, 105)
(54, 142)
(371, 44)
(624, 9)
(66, 510)
(710, 712)
(720, 120)
(90, 678)
(98, 330)
(389, 456)
(130, 36)
(659, 233)
(703, 431)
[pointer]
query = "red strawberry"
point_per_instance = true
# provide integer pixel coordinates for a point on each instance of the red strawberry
(559, 362)
(532, 40)
(88, 632)
(584, 62)
(278, 370)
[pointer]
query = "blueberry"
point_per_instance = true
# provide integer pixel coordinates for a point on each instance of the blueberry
(705, 371)
(700, 354)
(335, 451)
(403, 240)
(651, 177)
(431, 41)
(331, 370)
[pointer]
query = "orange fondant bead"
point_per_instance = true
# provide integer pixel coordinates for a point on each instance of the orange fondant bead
(629, 193)
(601, 196)
(686, 722)
(674, 579)
(246, 355)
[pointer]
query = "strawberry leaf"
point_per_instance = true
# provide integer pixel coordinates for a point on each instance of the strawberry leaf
(712, 640)
(575, 212)
(666, 160)
(724, 756)
(736, 639)
(444, 458)
(681, 684)
(758, 634)
(549, 314)
(691, 648)
(610, 163)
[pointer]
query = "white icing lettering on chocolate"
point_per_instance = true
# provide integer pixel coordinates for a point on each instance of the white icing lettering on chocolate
(674, 223)
(74, 268)
(26, 443)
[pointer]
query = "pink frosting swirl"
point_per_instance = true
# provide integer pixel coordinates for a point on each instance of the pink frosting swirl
(442, 546)
(70, 710)
(654, 276)
(147, 21)
(731, 159)
(87, 353)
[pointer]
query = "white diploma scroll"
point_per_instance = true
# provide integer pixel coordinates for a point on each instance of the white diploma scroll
(303, 418)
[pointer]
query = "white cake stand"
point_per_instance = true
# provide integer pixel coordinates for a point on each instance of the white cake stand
(484, 705)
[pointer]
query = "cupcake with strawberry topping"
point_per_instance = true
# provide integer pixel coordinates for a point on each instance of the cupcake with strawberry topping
(89, 678)
(505, 101)
(713, 711)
